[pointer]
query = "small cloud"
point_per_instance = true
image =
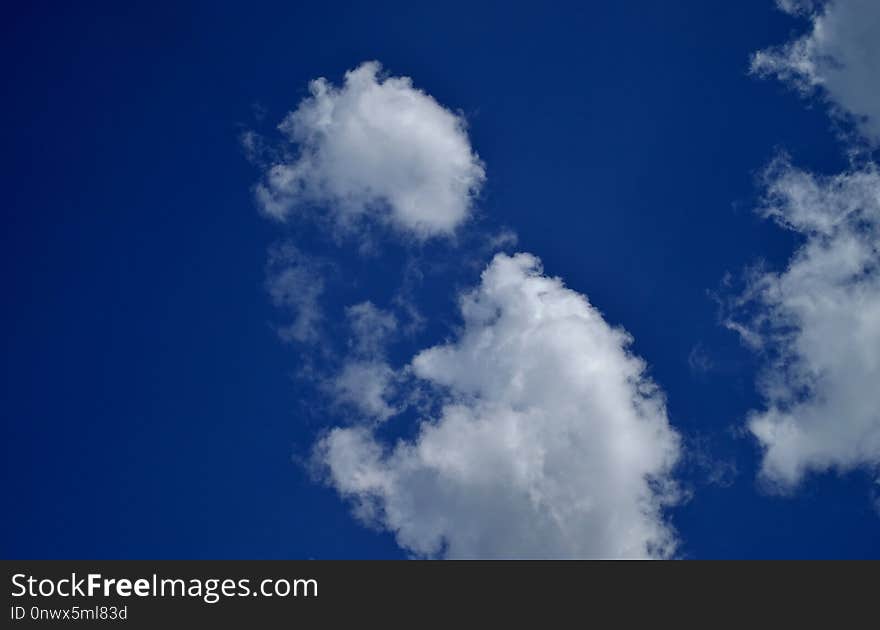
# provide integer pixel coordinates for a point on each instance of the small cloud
(295, 283)
(503, 239)
(378, 148)
(367, 386)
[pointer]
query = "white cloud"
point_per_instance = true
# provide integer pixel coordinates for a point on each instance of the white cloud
(819, 322)
(295, 283)
(839, 56)
(549, 440)
(365, 382)
(367, 386)
(379, 147)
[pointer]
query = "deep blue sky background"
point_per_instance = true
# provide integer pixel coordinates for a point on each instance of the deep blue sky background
(148, 409)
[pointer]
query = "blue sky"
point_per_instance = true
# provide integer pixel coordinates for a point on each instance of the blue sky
(151, 410)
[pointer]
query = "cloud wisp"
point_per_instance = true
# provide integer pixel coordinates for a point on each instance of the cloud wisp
(295, 283)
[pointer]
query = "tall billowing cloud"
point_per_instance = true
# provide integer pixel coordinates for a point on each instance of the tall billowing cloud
(840, 56)
(375, 147)
(819, 321)
(548, 439)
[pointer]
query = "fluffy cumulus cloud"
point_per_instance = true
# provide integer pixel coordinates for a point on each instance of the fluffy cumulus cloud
(819, 322)
(840, 56)
(379, 147)
(547, 440)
